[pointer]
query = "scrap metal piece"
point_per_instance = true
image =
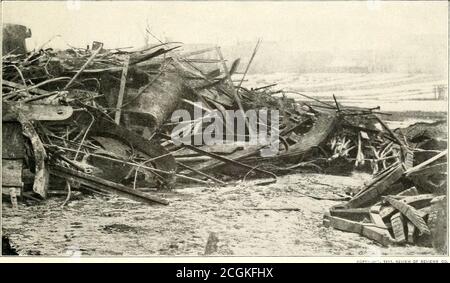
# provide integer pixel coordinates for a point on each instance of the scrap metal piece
(438, 222)
(375, 216)
(37, 112)
(162, 159)
(321, 129)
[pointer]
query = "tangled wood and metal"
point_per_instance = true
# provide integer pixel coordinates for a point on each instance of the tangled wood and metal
(98, 119)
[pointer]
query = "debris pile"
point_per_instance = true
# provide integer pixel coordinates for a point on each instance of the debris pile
(101, 120)
(406, 202)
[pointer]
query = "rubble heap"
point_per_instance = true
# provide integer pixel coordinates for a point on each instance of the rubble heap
(100, 120)
(406, 202)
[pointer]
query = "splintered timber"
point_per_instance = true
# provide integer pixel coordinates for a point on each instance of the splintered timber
(140, 124)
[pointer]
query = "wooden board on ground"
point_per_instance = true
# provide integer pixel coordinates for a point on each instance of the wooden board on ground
(342, 224)
(376, 218)
(418, 201)
(377, 234)
(398, 227)
(12, 173)
(371, 195)
(354, 214)
(38, 112)
(411, 229)
(12, 141)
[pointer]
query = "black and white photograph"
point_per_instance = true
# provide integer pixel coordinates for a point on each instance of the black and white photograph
(302, 130)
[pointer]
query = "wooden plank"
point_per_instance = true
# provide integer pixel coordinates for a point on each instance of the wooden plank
(12, 141)
(321, 129)
(409, 160)
(123, 82)
(398, 227)
(423, 212)
(355, 214)
(424, 164)
(37, 112)
(342, 224)
(18, 191)
(409, 192)
(91, 58)
(249, 64)
(418, 201)
(380, 176)
(377, 234)
(372, 195)
(21, 87)
(41, 174)
(432, 169)
(399, 141)
(411, 213)
(233, 88)
(411, 230)
(12, 172)
(376, 218)
(104, 185)
(222, 159)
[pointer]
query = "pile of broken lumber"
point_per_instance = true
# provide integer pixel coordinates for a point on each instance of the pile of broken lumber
(98, 120)
(405, 203)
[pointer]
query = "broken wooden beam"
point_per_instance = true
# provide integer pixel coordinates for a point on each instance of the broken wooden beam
(411, 213)
(41, 174)
(123, 81)
(104, 185)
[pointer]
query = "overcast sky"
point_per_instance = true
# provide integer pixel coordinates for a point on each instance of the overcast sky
(310, 25)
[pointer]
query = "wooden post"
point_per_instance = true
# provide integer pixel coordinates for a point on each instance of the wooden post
(123, 81)
(233, 88)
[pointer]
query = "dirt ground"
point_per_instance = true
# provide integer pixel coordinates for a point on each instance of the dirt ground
(245, 217)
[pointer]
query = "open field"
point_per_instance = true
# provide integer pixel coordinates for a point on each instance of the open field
(356, 86)
(408, 98)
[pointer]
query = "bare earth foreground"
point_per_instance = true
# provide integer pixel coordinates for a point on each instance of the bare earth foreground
(279, 219)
